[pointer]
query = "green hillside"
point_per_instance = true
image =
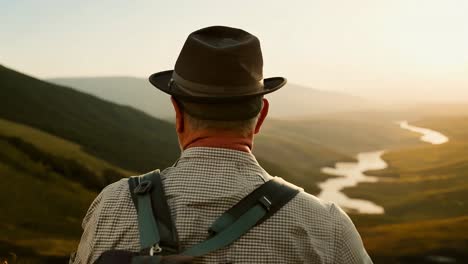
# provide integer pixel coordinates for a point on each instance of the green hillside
(57, 146)
(64, 157)
(46, 186)
(121, 135)
(424, 192)
(41, 209)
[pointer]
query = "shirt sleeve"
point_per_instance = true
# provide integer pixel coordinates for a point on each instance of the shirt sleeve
(110, 223)
(348, 244)
(84, 253)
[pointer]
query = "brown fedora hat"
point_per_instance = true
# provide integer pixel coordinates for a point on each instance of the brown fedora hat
(217, 65)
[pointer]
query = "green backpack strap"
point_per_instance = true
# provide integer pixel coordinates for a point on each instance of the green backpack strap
(250, 211)
(157, 230)
(274, 194)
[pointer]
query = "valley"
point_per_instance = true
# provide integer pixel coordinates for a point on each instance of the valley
(60, 146)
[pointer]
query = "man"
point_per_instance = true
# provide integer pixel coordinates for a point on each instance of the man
(217, 90)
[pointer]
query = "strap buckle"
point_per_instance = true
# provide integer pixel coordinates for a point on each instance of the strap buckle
(265, 202)
(155, 249)
(143, 187)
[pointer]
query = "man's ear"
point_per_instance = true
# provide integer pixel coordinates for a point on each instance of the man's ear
(179, 116)
(262, 116)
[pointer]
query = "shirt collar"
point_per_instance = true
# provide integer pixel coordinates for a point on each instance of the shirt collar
(218, 154)
(201, 168)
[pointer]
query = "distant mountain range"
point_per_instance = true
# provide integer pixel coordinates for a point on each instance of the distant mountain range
(130, 91)
(289, 102)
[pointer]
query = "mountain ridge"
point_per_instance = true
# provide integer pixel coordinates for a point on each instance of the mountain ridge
(86, 119)
(290, 101)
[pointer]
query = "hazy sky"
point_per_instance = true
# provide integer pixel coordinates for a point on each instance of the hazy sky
(391, 48)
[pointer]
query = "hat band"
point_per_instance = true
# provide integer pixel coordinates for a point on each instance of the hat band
(198, 89)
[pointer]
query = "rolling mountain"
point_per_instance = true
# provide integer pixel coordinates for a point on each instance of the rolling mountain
(119, 134)
(296, 101)
(289, 102)
(135, 92)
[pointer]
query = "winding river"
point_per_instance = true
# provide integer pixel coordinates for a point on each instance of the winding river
(428, 135)
(352, 173)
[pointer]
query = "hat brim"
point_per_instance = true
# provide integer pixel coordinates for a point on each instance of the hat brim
(161, 80)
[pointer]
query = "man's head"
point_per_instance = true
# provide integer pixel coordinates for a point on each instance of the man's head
(190, 128)
(217, 84)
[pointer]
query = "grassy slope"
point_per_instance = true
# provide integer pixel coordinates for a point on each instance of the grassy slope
(57, 146)
(45, 222)
(425, 195)
(121, 135)
(47, 210)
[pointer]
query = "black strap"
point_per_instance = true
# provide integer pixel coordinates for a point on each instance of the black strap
(169, 240)
(273, 194)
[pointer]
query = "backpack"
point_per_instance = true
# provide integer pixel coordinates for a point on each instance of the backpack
(158, 236)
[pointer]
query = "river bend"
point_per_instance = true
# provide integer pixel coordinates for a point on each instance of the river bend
(352, 173)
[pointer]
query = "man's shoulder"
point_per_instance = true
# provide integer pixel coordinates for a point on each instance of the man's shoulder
(308, 203)
(307, 208)
(118, 189)
(114, 199)
(110, 223)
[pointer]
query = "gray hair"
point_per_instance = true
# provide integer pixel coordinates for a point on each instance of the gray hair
(242, 127)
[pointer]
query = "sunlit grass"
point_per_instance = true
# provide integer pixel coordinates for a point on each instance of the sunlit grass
(57, 146)
(416, 237)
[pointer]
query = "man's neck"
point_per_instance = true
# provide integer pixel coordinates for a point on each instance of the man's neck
(228, 142)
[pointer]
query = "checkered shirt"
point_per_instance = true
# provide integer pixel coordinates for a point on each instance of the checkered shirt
(203, 184)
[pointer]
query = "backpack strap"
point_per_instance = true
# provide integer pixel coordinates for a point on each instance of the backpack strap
(250, 211)
(157, 230)
(273, 194)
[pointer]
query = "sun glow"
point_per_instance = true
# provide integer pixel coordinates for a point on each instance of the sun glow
(391, 48)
